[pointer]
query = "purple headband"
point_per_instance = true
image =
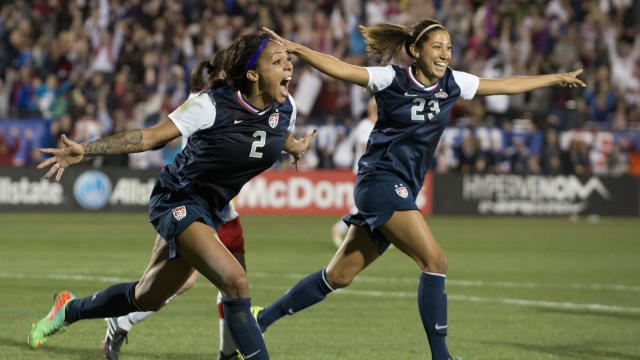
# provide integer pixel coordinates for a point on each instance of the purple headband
(254, 58)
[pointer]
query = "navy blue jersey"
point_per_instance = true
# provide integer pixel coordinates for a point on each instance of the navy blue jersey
(229, 142)
(411, 119)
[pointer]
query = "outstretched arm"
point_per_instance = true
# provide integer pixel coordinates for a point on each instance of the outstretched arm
(519, 84)
(328, 64)
(130, 141)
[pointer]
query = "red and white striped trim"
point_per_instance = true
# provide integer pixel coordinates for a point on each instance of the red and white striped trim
(418, 83)
(248, 106)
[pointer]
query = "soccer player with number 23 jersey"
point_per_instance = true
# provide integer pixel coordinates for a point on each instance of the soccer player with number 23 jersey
(414, 106)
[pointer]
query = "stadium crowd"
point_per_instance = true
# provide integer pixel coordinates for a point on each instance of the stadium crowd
(95, 67)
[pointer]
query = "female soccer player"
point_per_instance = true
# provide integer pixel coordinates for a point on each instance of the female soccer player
(414, 107)
(230, 234)
(235, 130)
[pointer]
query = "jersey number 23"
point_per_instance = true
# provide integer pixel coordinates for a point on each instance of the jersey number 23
(417, 110)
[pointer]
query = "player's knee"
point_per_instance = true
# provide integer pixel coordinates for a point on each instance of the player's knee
(438, 264)
(339, 280)
(236, 286)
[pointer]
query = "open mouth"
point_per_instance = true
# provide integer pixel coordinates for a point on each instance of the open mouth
(284, 86)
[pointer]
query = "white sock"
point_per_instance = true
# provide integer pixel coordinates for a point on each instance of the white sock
(126, 322)
(227, 345)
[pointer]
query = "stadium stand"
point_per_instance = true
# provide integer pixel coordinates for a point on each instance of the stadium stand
(89, 68)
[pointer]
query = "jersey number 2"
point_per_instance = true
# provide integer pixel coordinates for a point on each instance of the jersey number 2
(433, 105)
(262, 139)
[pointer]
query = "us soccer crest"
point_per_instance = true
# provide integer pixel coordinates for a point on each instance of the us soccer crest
(179, 213)
(402, 191)
(273, 119)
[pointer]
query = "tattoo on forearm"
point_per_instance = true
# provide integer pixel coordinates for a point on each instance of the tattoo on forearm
(123, 143)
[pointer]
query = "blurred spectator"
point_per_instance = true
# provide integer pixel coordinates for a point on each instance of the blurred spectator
(47, 93)
(359, 137)
(88, 127)
(551, 155)
(327, 140)
(343, 155)
(602, 104)
(6, 86)
(619, 116)
(518, 156)
(63, 125)
(578, 158)
(444, 159)
(106, 48)
(28, 154)
(618, 161)
(622, 57)
(23, 90)
(489, 158)
(9, 146)
(467, 154)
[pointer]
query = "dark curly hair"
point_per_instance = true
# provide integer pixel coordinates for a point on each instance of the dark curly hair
(227, 66)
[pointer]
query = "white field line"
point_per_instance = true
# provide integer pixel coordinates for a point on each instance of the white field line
(523, 302)
(473, 283)
(368, 293)
(368, 279)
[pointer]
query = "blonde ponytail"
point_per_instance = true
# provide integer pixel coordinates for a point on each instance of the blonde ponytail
(385, 40)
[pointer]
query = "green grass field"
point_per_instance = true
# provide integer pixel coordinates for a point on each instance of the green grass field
(519, 288)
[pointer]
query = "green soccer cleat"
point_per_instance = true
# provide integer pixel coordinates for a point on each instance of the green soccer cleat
(52, 323)
(255, 311)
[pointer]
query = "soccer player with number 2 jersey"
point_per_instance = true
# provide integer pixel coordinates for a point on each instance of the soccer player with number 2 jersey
(236, 129)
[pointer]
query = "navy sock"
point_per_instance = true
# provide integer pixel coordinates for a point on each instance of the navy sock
(244, 329)
(113, 301)
(305, 293)
(432, 303)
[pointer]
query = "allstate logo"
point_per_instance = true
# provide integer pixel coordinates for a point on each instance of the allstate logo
(92, 189)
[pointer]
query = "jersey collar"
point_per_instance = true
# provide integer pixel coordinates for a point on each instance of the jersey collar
(248, 106)
(417, 83)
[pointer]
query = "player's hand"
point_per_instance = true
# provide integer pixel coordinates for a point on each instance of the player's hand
(570, 79)
(288, 45)
(301, 145)
(69, 153)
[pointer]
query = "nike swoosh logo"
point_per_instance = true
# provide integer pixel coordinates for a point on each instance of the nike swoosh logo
(252, 354)
(440, 327)
(237, 121)
(406, 93)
